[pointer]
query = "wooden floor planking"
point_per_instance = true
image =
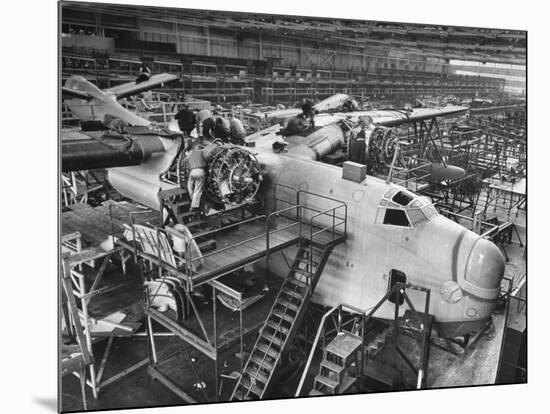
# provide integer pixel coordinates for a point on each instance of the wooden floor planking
(95, 223)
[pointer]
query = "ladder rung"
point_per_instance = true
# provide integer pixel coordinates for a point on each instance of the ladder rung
(273, 338)
(262, 363)
(303, 273)
(305, 260)
(284, 316)
(331, 366)
(252, 387)
(314, 249)
(297, 282)
(256, 372)
(288, 304)
(326, 381)
(268, 350)
(293, 294)
(277, 327)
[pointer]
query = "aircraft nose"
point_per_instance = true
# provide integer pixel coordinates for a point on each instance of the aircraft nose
(484, 269)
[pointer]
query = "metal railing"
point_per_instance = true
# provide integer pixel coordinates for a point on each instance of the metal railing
(187, 264)
(339, 205)
(397, 291)
(322, 333)
(418, 176)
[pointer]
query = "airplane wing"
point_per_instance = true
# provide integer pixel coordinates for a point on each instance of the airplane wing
(76, 94)
(131, 88)
(394, 117)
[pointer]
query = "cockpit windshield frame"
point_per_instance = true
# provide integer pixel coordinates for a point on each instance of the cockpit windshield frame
(417, 208)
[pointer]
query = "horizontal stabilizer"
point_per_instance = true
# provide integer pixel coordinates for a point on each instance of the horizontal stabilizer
(131, 88)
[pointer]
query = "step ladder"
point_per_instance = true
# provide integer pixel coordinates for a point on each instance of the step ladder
(283, 321)
(176, 203)
(340, 365)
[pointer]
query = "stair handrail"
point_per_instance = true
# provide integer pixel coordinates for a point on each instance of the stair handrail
(313, 348)
(339, 202)
(320, 332)
(277, 213)
(334, 224)
(275, 199)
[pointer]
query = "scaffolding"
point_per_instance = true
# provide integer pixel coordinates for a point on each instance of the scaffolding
(238, 245)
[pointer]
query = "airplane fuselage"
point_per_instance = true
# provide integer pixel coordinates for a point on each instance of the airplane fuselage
(432, 252)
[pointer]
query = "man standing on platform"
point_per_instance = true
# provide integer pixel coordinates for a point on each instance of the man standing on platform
(195, 182)
(358, 146)
(307, 110)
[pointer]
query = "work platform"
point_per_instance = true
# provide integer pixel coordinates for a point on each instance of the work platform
(238, 244)
(108, 299)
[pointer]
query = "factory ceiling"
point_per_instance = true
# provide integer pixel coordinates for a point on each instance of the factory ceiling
(447, 42)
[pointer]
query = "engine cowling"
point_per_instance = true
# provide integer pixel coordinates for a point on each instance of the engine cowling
(233, 174)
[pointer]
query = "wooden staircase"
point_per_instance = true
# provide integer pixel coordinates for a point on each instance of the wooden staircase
(283, 320)
(340, 365)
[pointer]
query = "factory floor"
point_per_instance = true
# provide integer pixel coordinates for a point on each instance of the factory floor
(194, 371)
(191, 369)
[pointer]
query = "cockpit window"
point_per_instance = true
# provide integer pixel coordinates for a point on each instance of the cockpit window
(402, 198)
(396, 217)
(403, 208)
(415, 215)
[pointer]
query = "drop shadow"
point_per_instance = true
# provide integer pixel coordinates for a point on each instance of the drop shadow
(48, 403)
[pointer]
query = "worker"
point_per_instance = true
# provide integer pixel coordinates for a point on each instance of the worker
(350, 105)
(208, 126)
(358, 146)
(195, 182)
(221, 130)
(144, 74)
(237, 133)
(201, 116)
(186, 120)
(307, 111)
(293, 126)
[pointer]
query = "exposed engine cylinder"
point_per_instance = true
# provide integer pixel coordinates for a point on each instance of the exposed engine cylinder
(381, 145)
(233, 175)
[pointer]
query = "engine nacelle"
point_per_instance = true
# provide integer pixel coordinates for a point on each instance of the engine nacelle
(233, 175)
(381, 144)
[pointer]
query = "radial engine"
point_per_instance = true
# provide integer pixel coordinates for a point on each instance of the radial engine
(233, 174)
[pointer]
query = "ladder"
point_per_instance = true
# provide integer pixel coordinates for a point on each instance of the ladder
(340, 365)
(283, 320)
(176, 202)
